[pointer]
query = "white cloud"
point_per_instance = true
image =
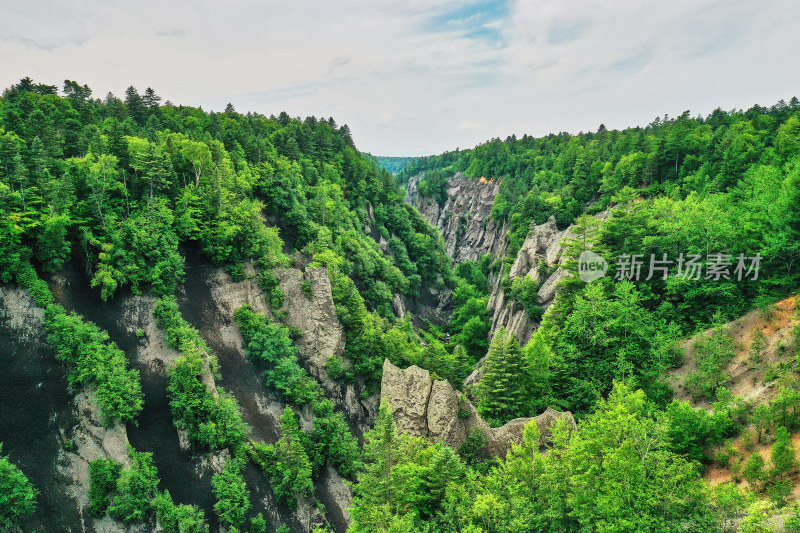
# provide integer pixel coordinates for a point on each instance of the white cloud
(423, 76)
(470, 126)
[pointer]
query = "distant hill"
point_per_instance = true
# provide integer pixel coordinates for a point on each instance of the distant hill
(392, 164)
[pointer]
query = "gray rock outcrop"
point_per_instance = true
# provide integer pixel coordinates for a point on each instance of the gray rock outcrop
(79, 433)
(307, 306)
(430, 408)
(469, 232)
(539, 258)
(464, 218)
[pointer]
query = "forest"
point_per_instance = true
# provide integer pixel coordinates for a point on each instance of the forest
(127, 186)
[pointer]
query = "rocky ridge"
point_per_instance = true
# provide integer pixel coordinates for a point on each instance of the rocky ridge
(425, 407)
(469, 232)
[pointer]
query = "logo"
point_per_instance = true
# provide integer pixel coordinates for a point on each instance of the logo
(591, 266)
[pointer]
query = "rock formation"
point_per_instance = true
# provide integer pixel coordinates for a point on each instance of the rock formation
(67, 428)
(464, 218)
(469, 232)
(313, 314)
(430, 408)
(72, 431)
(539, 259)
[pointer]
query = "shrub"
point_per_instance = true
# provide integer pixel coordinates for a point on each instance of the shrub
(27, 278)
(136, 487)
(269, 284)
(286, 462)
(525, 291)
(258, 524)
(233, 498)
(178, 518)
(713, 352)
(271, 344)
(305, 286)
(93, 360)
(213, 421)
(17, 494)
(103, 476)
(471, 449)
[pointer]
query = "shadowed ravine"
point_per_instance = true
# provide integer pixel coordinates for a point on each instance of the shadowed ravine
(153, 430)
(37, 411)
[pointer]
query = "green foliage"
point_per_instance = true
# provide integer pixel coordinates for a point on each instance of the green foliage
(391, 164)
(471, 321)
(270, 343)
(145, 250)
(211, 420)
(334, 365)
(757, 346)
(127, 183)
(103, 476)
(286, 463)
(757, 519)
(17, 494)
(136, 487)
(693, 430)
(178, 518)
(609, 337)
(402, 475)
(753, 470)
(93, 360)
(233, 498)
(608, 474)
(712, 354)
(782, 454)
(52, 245)
(364, 331)
(472, 449)
(503, 386)
(305, 286)
(525, 291)
(258, 524)
(616, 473)
(433, 184)
(331, 440)
(269, 284)
(726, 182)
(40, 292)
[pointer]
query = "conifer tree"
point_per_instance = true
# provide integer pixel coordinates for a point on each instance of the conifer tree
(501, 393)
(783, 453)
(136, 106)
(754, 470)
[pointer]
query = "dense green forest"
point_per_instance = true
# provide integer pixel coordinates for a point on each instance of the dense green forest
(125, 187)
(728, 184)
(724, 188)
(392, 164)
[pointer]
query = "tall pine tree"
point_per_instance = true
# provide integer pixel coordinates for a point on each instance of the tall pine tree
(501, 394)
(783, 453)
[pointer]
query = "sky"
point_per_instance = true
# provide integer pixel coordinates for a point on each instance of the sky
(419, 77)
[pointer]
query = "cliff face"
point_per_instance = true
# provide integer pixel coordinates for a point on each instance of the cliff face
(212, 297)
(53, 433)
(41, 420)
(464, 218)
(469, 232)
(539, 259)
(424, 407)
